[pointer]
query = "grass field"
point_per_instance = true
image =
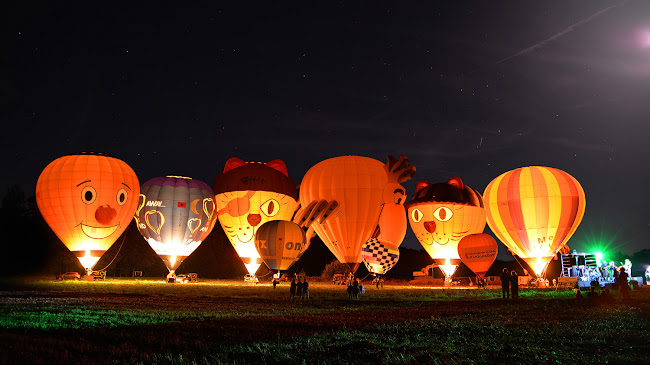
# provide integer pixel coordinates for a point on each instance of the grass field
(149, 321)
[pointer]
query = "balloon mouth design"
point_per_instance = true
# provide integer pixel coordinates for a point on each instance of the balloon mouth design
(428, 239)
(98, 232)
(440, 243)
(246, 236)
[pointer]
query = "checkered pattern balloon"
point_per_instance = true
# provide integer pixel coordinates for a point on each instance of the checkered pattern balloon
(379, 256)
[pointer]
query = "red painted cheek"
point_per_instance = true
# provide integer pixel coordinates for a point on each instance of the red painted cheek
(105, 214)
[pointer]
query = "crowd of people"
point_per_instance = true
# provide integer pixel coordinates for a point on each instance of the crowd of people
(510, 286)
(299, 289)
(355, 288)
(607, 271)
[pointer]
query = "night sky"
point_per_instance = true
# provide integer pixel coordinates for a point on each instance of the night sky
(468, 89)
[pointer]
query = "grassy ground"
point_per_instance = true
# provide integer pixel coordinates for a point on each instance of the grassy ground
(149, 321)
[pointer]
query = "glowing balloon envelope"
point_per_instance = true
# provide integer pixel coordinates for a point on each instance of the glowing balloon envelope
(370, 202)
(280, 244)
(442, 214)
(175, 214)
(534, 211)
(249, 195)
(379, 256)
(88, 200)
(478, 252)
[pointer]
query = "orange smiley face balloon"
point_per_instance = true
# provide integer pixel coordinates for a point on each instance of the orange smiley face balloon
(88, 200)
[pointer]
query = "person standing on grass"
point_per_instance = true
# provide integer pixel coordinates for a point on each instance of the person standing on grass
(505, 283)
(292, 288)
(623, 286)
(305, 289)
(355, 288)
(299, 288)
(514, 284)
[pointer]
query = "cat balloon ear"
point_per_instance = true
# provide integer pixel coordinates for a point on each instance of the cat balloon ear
(421, 185)
(457, 182)
(233, 163)
(278, 165)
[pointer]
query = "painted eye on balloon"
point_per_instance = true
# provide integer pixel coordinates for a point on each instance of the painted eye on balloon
(398, 198)
(270, 208)
(88, 195)
(416, 215)
(443, 214)
(122, 196)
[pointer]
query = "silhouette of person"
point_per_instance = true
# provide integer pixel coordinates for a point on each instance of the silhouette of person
(606, 296)
(514, 284)
(355, 288)
(305, 289)
(592, 294)
(299, 288)
(578, 295)
(505, 283)
(292, 288)
(623, 286)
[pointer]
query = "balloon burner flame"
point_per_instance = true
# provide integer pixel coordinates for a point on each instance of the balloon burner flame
(448, 269)
(88, 261)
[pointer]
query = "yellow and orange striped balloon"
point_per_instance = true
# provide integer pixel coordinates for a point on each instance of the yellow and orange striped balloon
(534, 211)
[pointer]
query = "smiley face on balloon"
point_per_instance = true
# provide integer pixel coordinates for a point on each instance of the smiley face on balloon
(88, 200)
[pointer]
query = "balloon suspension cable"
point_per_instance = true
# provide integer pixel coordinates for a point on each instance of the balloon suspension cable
(517, 258)
(365, 277)
(119, 249)
(265, 275)
(377, 231)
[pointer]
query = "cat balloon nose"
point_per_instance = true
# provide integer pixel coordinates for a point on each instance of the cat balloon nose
(254, 219)
(430, 226)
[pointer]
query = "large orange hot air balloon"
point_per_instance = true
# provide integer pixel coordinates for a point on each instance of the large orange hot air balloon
(441, 215)
(88, 200)
(534, 211)
(249, 195)
(478, 252)
(370, 202)
(280, 244)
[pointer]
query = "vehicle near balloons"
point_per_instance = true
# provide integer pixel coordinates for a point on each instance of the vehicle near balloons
(71, 275)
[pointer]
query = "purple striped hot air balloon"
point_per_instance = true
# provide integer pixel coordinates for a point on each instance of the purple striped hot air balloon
(175, 214)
